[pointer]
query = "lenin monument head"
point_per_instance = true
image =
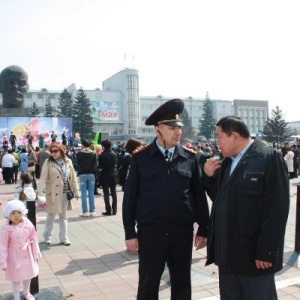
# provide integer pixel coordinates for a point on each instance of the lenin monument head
(13, 87)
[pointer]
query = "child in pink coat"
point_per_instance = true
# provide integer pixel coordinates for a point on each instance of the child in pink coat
(19, 249)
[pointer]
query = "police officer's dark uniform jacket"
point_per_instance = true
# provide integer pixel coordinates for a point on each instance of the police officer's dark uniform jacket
(245, 207)
(174, 207)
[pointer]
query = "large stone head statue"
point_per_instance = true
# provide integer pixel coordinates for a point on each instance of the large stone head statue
(13, 86)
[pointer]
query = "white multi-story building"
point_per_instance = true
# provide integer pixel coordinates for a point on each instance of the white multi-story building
(253, 112)
(119, 112)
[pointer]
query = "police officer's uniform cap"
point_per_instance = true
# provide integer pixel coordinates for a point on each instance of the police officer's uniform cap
(168, 114)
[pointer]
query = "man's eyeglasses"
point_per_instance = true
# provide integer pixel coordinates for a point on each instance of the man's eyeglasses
(54, 151)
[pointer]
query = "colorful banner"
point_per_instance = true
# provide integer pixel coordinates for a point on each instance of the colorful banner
(36, 126)
(104, 110)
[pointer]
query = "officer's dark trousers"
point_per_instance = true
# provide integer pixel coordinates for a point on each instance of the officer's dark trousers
(241, 287)
(155, 249)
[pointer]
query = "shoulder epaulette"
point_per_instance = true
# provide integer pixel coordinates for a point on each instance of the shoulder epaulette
(141, 149)
(189, 149)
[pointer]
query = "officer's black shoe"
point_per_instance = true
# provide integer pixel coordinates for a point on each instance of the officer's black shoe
(106, 213)
(114, 212)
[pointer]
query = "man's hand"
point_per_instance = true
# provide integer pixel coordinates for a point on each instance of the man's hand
(211, 165)
(132, 245)
(200, 242)
(263, 264)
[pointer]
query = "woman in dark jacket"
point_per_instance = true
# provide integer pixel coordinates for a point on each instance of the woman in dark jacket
(107, 164)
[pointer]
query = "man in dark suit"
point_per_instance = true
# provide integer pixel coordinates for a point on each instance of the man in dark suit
(107, 164)
(250, 193)
(164, 197)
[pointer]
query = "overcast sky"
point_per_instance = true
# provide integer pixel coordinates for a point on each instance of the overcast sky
(230, 49)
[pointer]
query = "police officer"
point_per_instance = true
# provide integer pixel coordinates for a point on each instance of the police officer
(164, 197)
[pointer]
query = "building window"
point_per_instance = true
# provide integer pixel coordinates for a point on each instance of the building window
(51, 96)
(40, 96)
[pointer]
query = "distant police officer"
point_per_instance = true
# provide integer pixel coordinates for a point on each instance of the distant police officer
(164, 196)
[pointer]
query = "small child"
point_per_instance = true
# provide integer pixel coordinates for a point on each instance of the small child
(19, 249)
(26, 186)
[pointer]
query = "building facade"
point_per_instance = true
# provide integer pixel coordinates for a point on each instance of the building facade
(119, 112)
(253, 112)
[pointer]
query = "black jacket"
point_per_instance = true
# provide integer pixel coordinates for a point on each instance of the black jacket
(107, 163)
(164, 197)
(256, 198)
(86, 162)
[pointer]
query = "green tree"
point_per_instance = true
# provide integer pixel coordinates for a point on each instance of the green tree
(65, 104)
(207, 122)
(187, 129)
(49, 110)
(276, 129)
(82, 115)
(34, 110)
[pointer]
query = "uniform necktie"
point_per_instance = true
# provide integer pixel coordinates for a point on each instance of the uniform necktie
(167, 155)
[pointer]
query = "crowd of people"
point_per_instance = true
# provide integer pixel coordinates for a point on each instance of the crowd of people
(166, 188)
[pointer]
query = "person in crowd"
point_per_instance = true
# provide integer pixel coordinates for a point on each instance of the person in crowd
(289, 159)
(284, 149)
(12, 140)
(71, 154)
(77, 140)
(19, 249)
(92, 147)
(29, 138)
(131, 146)
(7, 163)
(42, 156)
(37, 166)
(207, 153)
(26, 186)
(64, 138)
(87, 166)
(250, 193)
(57, 177)
(41, 141)
(199, 151)
(164, 197)
(295, 160)
(31, 160)
(53, 137)
(13, 86)
(5, 142)
(23, 160)
(1, 179)
(107, 163)
(70, 140)
(15, 154)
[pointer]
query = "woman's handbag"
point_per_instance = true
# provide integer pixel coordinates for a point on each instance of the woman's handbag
(70, 195)
(31, 169)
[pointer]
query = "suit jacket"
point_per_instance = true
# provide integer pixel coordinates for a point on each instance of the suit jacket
(254, 204)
